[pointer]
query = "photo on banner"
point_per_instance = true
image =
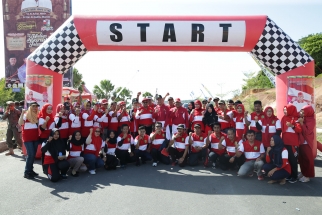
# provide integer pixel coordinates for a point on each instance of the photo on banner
(300, 91)
(39, 88)
(26, 25)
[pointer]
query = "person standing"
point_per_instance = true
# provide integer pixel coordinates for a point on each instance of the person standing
(134, 122)
(122, 115)
(169, 120)
(191, 106)
(113, 123)
(224, 116)
(145, 117)
(75, 123)
(197, 115)
(161, 112)
(46, 122)
(13, 129)
(178, 115)
(239, 120)
(257, 115)
(29, 122)
(104, 123)
(62, 122)
(87, 117)
(216, 101)
(209, 118)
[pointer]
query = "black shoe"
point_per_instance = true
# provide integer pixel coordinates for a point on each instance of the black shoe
(28, 176)
(34, 173)
(292, 180)
(288, 178)
(63, 176)
(74, 175)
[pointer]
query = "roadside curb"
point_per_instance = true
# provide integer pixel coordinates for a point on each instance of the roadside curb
(3, 146)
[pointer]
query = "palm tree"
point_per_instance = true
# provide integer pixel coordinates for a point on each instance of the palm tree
(104, 90)
(146, 94)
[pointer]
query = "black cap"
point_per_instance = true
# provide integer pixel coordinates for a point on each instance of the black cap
(197, 125)
(181, 126)
(12, 56)
(205, 101)
(22, 102)
(33, 103)
(16, 102)
(142, 127)
(222, 102)
(216, 98)
(237, 102)
(67, 105)
(230, 101)
(159, 97)
(170, 98)
(135, 100)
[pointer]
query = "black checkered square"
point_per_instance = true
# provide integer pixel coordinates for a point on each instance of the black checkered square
(277, 51)
(61, 50)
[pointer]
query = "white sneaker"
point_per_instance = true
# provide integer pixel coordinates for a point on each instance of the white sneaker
(214, 165)
(155, 164)
(92, 172)
(304, 179)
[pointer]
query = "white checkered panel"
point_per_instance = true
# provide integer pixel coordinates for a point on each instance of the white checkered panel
(277, 51)
(61, 50)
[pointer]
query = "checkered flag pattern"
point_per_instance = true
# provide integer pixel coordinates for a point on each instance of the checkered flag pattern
(61, 50)
(277, 51)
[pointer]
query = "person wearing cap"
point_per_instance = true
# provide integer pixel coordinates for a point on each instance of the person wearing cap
(22, 70)
(180, 141)
(178, 115)
(198, 144)
(124, 142)
(224, 116)
(145, 117)
(251, 120)
(158, 142)
(150, 102)
(169, 121)
(62, 120)
(113, 124)
(204, 104)
(13, 129)
(104, 123)
(161, 112)
(141, 143)
(29, 122)
(11, 70)
(216, 100)
(231, 104)
(17, 105)
(213, 140)
(21, 105)
(299, 103)
(196, 115)
(134, 121)
(237, 102)
(123, 116)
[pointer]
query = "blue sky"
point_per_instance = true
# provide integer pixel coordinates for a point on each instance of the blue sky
(179, 73)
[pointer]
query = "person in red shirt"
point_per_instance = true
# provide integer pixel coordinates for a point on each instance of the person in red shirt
(161, 112)
(224, 116)
(180, 140)
(256, 115)
(178, 115)
(104, 123)
(216, 100)
(134, 122)
(75, 146)
(46, 122)
(199, 146)
(145, 117)
(196, 116)
(204, 104)
(254, 153)
(239, 120)
(113, 122)
(62, 122)
(209, 118)
(158, 141)
(141, 143)
(123, 116)
(169, 121)
(277, 167)
(213, 139)
(87, 117)
(230, 105)
(230, 144)
(291, 129)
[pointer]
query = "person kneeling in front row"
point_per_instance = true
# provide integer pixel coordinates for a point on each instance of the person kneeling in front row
(110, 160)
(158, 142)
(141, 147)
(75, 146)
(199, 147)
(180, 140)
(254, 153)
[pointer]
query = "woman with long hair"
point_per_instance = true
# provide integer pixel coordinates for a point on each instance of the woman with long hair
(55, 164)
(306, 159)
(30, 137)
(191, 106)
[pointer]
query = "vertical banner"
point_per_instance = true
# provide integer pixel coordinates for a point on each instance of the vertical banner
(68, 78)
(26, 25)
(39, 88)
(300, 91)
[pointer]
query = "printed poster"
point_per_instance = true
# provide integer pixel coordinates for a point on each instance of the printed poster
(39, 88)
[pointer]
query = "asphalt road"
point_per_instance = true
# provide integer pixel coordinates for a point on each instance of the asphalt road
(153, 190)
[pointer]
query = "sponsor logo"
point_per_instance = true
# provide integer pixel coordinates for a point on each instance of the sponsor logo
(24, 26)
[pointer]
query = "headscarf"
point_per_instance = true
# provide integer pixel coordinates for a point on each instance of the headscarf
(31, 116)
(242, 114)
(210, 118)
(76, 142)
(198, 112)
(112, 140)
(43, 114)
(291, 116)
(58, 108)
(96, 140)
(310, 123)
(275, 153)
(56, 146)
(268, 121)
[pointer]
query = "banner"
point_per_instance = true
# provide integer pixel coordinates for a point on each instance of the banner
(300, 91)
(26, 25)
(39, 88)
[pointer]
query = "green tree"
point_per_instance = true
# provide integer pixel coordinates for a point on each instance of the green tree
(6, 94)
(312, 44)
(104, 90)
(77, 80)
(121, 94)
(259, 81)
(146, 94)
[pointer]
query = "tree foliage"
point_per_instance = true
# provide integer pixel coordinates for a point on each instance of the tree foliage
(312, 44)
(121, 94)
(146, 94)
(6, 94)
(104, 90)
(259, 81)
(77, 80)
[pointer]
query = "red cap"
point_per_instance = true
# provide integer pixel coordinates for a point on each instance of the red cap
(145, 99)
(178, 100)
(121, 103)
(104, 101)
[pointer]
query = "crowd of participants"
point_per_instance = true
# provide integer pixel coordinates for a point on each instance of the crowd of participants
(76, 138)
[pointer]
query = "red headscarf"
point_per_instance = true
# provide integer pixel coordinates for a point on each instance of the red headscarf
(198, 112)
(268, 121)
(291, 116)
(242, 114)
(309, 122)
(43, 114)
(96, 141)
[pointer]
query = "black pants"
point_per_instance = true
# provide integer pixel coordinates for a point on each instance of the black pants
(175, 154)
(196, 156)
(111, 162)
(144, 155)
(157, 156)
(53, 171)
(293, 160)
(213, 156)
(124, 156)
(278, 175)
(224, 163)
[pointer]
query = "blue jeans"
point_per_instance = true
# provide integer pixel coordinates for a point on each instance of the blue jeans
(31, 148)
(93, 162)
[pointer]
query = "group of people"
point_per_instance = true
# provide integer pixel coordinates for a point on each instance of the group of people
(209, 133)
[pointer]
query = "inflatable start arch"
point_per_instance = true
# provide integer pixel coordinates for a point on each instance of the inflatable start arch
(258, 35)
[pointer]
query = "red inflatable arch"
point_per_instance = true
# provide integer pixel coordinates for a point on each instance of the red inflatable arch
(258, 35)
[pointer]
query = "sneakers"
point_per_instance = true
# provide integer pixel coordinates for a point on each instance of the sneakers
(292, 180)
(28, 176)
(304, 179)
(92, 172)
(288, 178)
(214, 165)
(260, 178)
(154, 164)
